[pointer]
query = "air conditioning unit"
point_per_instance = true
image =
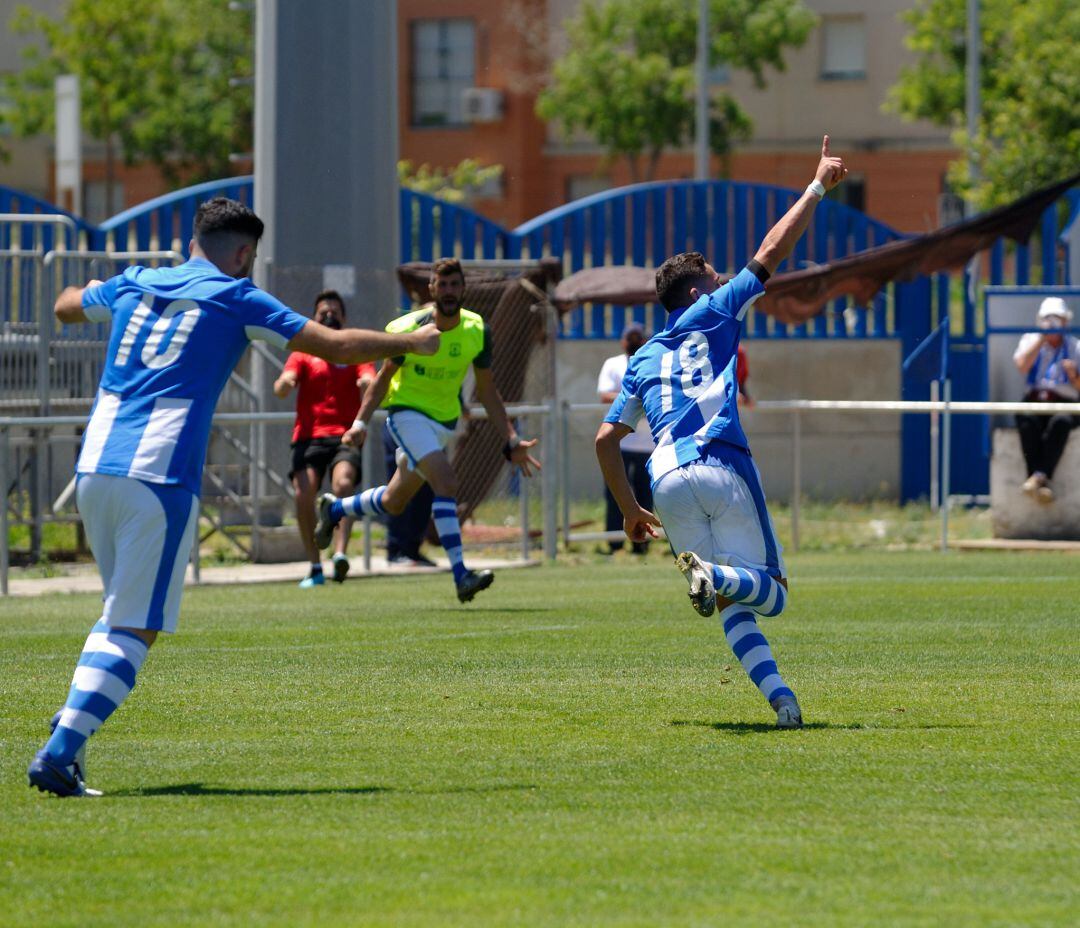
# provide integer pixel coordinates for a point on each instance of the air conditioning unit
(950, 209)
(482, 104)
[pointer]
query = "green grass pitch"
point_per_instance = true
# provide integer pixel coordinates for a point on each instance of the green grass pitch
(576, 747)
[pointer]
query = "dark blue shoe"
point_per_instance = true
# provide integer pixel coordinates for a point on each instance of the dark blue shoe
(324, 525)
(80, 755)
(52, 778)
(45, 774)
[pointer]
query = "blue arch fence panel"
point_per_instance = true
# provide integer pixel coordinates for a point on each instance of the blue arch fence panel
(642, 225)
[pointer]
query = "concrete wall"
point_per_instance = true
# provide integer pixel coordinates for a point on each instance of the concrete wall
(844, 455)
(1016, 515)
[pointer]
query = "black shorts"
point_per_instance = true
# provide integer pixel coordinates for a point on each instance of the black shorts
(322, 454)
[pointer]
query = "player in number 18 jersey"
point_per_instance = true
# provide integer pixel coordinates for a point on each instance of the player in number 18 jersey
(706, 488)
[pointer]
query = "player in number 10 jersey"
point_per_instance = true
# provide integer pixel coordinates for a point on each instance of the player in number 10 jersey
(706, 488)
(176, 335)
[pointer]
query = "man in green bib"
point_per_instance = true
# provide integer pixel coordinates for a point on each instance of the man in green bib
(423, 397)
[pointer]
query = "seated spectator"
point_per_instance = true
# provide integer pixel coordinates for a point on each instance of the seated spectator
(1048, 359)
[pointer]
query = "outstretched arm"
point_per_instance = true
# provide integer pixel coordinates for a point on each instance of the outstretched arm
(355, 346)
(373, 396)
(780, 241)
(491, 400)
(637, 522)
(68, 308)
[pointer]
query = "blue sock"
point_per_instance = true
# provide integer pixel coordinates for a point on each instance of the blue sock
(444, 512)
(754, 589)
(751, 647)
(368, 503)
(104, 676)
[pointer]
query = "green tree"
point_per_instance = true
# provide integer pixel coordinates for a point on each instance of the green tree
(1029, 133)
(454, 185)
(628, 81)
(155, 79)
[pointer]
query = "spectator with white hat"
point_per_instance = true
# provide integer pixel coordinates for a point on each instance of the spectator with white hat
(1048, 359)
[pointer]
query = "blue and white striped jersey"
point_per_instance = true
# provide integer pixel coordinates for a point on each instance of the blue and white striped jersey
(683, 378)
(177, 333)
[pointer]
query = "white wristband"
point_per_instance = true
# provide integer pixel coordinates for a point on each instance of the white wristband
(360, 425)
(817, 188)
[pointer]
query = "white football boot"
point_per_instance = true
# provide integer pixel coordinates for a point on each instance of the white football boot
(702, 593)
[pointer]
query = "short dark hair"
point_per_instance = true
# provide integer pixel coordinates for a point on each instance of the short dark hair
(444, 267)
(329, 295)
(676, 276)
(222, 217)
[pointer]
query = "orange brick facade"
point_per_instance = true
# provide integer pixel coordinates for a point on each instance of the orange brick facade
(902, 187)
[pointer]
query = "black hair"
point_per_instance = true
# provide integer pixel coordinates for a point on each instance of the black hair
(329, 295)
(676, 276)
(222, 217)
(444, 267)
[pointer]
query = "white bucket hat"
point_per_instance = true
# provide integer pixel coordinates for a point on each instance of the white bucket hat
(1054, 307)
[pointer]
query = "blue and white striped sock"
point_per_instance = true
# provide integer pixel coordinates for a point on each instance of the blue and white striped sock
(444, 512)
(368, 503)
(751, 647)
(104, 676)
(754, 589)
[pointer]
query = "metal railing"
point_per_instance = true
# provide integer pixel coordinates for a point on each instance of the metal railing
(552, 420)
(539, 419)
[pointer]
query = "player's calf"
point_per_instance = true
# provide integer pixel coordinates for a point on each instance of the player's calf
(751, 647)
(332, 510)
(755, 589)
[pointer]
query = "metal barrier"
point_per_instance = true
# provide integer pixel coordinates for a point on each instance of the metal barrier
(549, 422)
(795, 408)
(511, 510)
(43, 368)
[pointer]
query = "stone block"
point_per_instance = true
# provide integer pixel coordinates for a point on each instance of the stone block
(1013, 514)
(279, 545)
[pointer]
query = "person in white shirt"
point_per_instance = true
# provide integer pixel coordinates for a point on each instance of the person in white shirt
(637, 446)
(1049, 360)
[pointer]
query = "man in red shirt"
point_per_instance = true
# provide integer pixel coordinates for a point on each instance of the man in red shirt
(326, 405)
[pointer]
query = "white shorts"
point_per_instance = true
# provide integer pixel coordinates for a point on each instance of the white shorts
(141, 535)
(717, 510)
(416, 436)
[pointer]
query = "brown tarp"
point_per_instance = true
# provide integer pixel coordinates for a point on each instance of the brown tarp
(506, 306)
(797, 296)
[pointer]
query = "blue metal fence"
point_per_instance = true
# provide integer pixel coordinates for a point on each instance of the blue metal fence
(645, 223)
(725, 220)
(165, 222)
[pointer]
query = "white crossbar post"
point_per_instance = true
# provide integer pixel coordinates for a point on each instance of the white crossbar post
(796, 476)
(367, 465)
(4, 553)
(946, 464)
(935, 437)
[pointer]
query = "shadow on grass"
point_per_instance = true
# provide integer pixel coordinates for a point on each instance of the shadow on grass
(750, 728)
(200, 789)
(466, 607)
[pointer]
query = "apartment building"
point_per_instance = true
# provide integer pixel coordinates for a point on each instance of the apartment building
(469, 72)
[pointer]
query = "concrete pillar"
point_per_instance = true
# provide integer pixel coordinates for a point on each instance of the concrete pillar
(326, 153)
